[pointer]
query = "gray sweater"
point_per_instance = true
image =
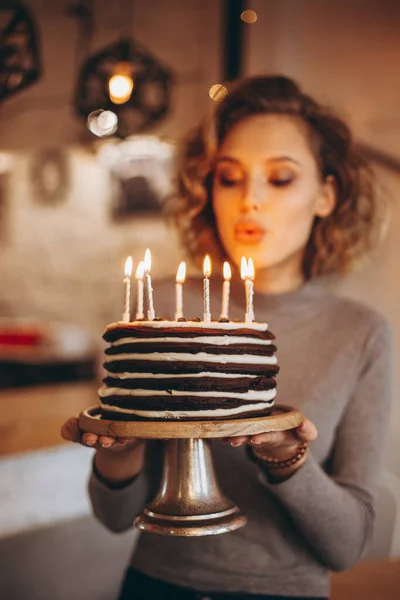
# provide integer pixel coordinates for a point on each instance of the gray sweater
(335, 357)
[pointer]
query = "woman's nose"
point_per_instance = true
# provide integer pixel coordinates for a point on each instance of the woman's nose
(249, 205)
(253, 197)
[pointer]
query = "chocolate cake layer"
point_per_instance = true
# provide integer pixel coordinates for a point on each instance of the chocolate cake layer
(182, 330)
(238, 384)
(191, 348)
(173, 403)
(154, 367)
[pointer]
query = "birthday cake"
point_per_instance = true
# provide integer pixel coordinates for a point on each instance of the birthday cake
(188, 370)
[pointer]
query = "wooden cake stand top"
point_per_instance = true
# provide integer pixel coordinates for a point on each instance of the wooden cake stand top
(284, 417)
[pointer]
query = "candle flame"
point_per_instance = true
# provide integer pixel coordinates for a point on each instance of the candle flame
(181, 274)
(207, 266)
(128, 266)
(140, 271)
(243, 268)
(147, 261)
(227, 271)
(250, 269)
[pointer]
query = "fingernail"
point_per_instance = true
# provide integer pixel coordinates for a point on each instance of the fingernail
(105, 445)
(90, 443)
(256, 442)
(236, 444)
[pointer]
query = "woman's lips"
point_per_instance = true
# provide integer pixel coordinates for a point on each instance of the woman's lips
(249, 233)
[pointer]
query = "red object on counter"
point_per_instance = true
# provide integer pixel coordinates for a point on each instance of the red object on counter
(21, 338)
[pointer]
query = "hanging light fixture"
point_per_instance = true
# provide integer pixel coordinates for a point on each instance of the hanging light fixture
(19, 48)
(126, 79)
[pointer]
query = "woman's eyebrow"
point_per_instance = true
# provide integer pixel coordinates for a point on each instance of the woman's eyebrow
(236, 161)
(283, 159)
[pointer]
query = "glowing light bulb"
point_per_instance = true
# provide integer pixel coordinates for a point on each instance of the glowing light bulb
(120, 85)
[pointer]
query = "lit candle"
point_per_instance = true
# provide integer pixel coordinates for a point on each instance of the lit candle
(139, 278)
(226, 286)
(126, 317)
(247, 274)
(206, 286)
(243, 268)
(149, 289)
(180, 278)
(250, 292)
(243, 275)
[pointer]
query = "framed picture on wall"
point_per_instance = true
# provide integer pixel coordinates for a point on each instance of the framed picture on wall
(142, 168)
(49, 176)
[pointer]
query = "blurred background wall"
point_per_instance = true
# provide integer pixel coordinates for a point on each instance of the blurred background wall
(61, 258)
(64, 259)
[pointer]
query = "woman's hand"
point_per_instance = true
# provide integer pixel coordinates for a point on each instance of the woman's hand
(279, 445)
(71, 433)
(117, 459)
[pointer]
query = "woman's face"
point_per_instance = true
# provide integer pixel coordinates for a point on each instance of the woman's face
(267, 191)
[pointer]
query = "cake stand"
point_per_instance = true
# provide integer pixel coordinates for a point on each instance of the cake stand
(189, 502)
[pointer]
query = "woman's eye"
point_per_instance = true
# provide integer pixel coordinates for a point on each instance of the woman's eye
(281, 182)
(226, 181)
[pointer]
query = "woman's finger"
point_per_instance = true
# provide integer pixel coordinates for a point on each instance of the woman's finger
(272, 437)
(307, 431)
(106, 441)
(89, 439)
(238, 440)
(70, 430)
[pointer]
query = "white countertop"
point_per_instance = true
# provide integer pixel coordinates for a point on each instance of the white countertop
(43, 488)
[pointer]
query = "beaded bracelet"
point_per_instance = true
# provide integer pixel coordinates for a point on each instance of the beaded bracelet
(276, 463)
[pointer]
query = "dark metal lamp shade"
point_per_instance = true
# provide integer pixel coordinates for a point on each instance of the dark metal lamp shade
(151, 96)
(19, 51)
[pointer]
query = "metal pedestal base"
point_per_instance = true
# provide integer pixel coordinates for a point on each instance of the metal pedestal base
(189, 502)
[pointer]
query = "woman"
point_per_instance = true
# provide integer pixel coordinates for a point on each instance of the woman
(276, 177)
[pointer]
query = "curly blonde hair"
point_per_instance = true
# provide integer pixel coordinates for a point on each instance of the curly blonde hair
(336, 241)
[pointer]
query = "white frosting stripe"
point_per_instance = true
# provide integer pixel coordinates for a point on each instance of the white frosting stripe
(231, 326)
(221, 340)
(216, 374)
(251, 395)
(179, 414)
(252, 359)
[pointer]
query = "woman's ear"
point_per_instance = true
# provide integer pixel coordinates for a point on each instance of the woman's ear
(326, 201)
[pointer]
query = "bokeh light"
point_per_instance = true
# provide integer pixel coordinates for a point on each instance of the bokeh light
(249, 16)
(217, 92)
(102, 122)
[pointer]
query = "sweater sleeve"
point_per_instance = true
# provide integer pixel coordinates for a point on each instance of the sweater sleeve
(116, 508)
(334, 508)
